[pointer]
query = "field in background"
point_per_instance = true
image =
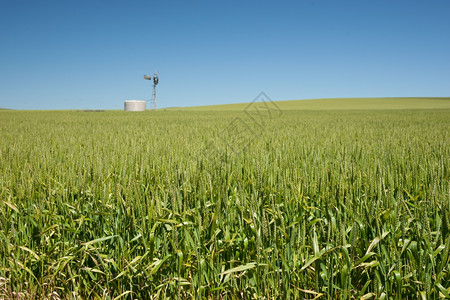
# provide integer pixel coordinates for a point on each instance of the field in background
(340, 104)
(223, 204)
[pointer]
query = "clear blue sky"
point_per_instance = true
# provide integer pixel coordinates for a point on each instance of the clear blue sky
(92, 54)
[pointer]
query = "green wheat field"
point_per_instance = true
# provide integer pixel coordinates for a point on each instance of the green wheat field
(311, 199)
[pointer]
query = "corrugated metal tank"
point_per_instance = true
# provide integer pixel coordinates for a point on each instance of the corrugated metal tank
(134, 105)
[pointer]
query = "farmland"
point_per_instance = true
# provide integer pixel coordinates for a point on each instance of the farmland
(322, 199)
(341, 104)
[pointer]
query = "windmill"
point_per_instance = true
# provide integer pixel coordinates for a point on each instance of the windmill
(155, 83)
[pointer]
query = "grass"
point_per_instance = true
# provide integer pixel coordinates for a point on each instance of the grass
(224, 204)
(340, 104)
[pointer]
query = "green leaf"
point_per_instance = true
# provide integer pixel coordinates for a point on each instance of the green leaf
(368, 296)
(136, 238)
(99, 240)
(156, 264)
(365, 257)
(376, 241)
(123, 294)
(239, 269)
(12, 206)
(443, 290)
(316, 257)
(30, 251)
(438, 250)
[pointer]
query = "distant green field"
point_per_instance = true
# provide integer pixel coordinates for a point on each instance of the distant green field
(321, 199)
(341, 104)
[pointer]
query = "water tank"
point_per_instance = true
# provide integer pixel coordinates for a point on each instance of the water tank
(134, 105)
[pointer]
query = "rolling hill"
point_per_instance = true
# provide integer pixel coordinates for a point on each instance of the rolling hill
(339, 104)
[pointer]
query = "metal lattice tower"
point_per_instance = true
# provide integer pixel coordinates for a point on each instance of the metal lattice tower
(155, 83)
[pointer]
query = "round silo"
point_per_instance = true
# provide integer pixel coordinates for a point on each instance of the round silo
(134, 105)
